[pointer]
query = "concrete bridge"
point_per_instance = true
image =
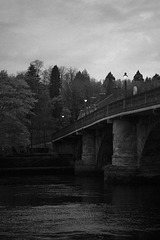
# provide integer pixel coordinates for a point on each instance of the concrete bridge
(120, 139)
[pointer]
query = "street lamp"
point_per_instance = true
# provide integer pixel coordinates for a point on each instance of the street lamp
(62, 120)
(125, 77)
(85, 102)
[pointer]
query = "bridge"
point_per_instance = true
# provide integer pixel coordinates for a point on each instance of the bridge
(121, 138)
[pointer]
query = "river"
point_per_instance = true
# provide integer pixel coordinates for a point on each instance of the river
(68, 207)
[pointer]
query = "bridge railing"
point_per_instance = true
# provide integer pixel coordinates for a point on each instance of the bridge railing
(145, 99)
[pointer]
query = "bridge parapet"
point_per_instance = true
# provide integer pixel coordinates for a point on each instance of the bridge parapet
(140, 102)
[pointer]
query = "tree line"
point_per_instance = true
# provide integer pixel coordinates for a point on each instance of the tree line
(36, 103)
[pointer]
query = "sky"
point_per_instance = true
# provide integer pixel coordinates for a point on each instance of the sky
(100, 36)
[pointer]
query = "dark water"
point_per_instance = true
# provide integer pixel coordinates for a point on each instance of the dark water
(50, 207)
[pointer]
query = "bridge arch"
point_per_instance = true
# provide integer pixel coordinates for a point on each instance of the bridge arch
(151, 151)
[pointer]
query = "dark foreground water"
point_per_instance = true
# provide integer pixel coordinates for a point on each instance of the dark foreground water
(52, 207)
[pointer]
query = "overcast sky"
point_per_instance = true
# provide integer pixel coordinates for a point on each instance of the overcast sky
(97, 35)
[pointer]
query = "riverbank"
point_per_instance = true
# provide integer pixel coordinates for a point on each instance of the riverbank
(35, 160)
(36, 164)
(31, 171)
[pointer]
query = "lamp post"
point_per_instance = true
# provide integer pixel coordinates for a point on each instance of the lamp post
(85, 103)
(62, 120)
(125, 77)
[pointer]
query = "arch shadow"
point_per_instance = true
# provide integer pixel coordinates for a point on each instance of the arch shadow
(105, 152)
(151, 151)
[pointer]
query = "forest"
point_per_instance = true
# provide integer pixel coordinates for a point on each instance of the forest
(37, 102)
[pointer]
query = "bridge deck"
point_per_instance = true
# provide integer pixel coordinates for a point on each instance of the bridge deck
(134, 104)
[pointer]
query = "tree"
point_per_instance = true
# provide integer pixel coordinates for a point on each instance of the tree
(55, 82)
(148, 80)
(16, 102)
(45, 76)
(138, 77)
(76, 87)
(156, 77)
(44, 123)
(32, 78)
(55, 92)
(37, 65)
(57, 106)
(95, 89)
(42, 120)
(67, 92)
(109, 84)
(155, 81)
(80, 91)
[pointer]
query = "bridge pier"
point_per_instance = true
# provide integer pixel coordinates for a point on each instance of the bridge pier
(124, 144)
(124, 159)
(87, 164)
(88, 148)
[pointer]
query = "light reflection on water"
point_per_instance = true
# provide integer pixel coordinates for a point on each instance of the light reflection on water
(50, 207)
